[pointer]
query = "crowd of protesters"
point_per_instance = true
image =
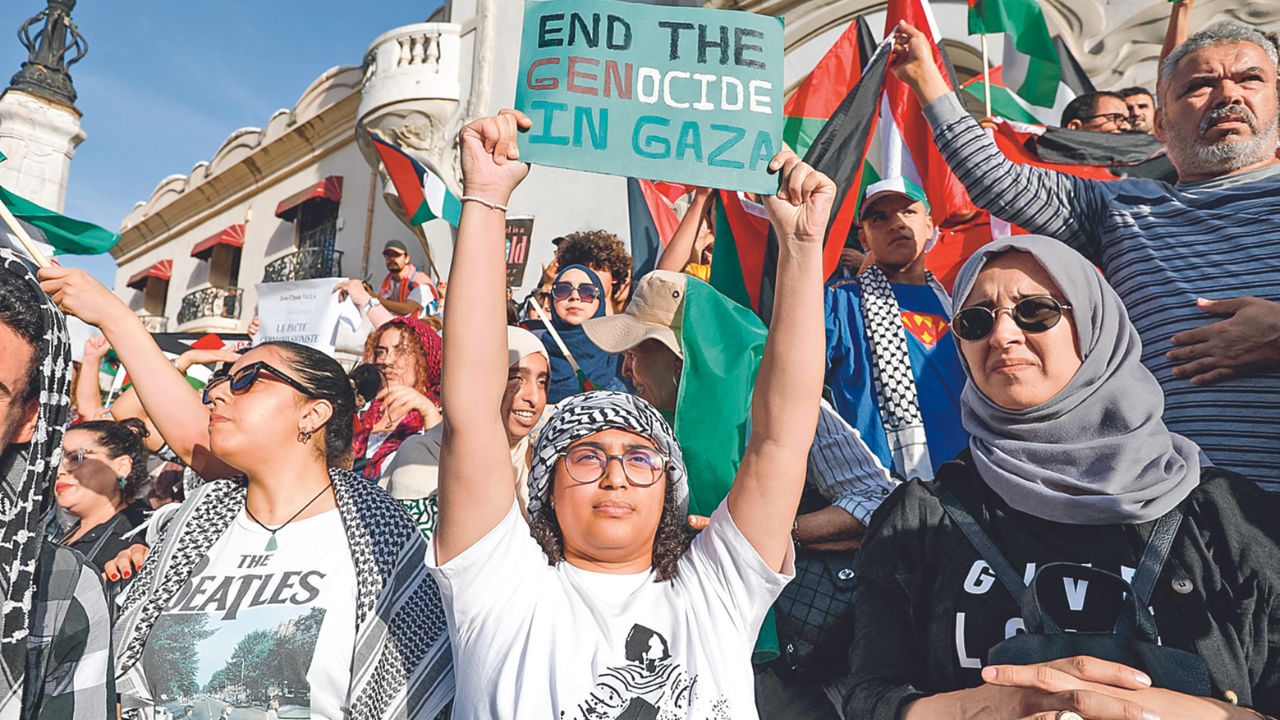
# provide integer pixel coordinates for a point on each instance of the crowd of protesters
(1047, 491)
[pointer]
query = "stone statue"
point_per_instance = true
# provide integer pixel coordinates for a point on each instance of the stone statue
(52, 49)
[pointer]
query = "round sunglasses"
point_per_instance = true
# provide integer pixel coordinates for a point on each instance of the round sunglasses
(586, 291)
(244, 378)
(1034, 314)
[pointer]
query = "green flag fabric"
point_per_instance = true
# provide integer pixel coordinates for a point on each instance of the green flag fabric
(1032, 69)
(65, 235)
(723, 343)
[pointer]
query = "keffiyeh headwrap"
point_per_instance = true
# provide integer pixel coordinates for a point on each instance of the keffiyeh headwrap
(590, 413)
(28, 470)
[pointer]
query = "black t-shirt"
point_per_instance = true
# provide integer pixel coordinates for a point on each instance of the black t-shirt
(929, 609)
(103, 542)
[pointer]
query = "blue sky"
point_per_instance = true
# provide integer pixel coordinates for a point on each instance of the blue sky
(164, 83)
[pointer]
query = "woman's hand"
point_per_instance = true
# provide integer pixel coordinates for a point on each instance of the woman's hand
(801, 209)
(96, 348)
(491, 167)
(399, 400)
(126, 564)
(354, 289)
(204, 357)
(77, 293)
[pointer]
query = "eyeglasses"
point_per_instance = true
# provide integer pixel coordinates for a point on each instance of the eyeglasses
(73, 460)
(245, 377)
(642, 466)
(586, 291)
(1115, 118)
(1034, 314)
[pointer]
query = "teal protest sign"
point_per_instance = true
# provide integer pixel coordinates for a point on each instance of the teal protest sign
(663, 93)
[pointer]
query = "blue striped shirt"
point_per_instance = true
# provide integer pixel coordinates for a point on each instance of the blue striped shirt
(1161, 247)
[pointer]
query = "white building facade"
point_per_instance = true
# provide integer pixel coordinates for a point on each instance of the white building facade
(298, 198)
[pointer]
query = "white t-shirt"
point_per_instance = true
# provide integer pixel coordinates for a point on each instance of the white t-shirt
(273, 631)
(536, 641)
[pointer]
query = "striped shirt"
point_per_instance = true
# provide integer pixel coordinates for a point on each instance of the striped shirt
(844, 470)
(1161, 246)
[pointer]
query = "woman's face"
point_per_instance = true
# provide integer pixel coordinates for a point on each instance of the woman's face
(398, 363)
(1017, 369)
(260, 421)
(573, 309)
(525, 397)
(96, 482)
(609, 520)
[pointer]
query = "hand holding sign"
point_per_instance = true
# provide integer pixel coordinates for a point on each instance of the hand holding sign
(801, 209)
(491, 167)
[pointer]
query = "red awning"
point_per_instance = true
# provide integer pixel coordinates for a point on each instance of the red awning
(329, 189)
(231, 236)
(161, 270)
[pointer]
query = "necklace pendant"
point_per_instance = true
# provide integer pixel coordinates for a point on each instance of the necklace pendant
(271, 543)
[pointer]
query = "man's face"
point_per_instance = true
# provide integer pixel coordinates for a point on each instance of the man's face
(896, 230)
(655, 371)
(606, 281)
(396, 260)
(1142, 112)
(17, 418)
(1218, 111)
(1110, 114)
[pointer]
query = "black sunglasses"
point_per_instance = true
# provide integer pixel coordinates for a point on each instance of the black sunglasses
(563, 290)
(245, 377)
(1034, 314)
(1115, 118)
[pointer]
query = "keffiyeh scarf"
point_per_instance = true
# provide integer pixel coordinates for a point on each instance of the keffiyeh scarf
(589, 413)
(402, 665)
(27, 473)
(894, 382)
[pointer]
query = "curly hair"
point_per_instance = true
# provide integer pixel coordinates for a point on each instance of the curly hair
(669, 543)
(598, 250)
(411, 342)
(122, 438)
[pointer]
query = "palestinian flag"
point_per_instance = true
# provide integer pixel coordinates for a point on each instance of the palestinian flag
(814, 101)
(423, 192)
(53, 233)
(1010, 105)
(745, 255)
(653, 221)
(1031, 66)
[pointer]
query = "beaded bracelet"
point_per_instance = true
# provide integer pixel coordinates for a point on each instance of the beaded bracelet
(482, 201)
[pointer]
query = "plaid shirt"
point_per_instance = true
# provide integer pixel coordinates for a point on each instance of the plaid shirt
(69, 673)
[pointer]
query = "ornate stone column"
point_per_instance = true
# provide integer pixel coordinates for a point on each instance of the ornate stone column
(39, 123)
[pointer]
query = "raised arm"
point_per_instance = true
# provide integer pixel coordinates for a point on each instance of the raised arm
(88, 394)
(1056, 204)
(476, 478)
(784, 408)
(680, 251)
(1176, 34)
(175, 410)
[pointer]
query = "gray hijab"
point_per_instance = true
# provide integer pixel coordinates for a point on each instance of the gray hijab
(1098, 452)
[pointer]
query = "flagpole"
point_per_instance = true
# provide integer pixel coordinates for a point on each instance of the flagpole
(986, 75)
(23, 237)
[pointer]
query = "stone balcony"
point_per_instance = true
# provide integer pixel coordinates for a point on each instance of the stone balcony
(213, 309)
(154, 323)
(305, 264)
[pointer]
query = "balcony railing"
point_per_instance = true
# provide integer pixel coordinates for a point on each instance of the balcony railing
(210, 302)
(305, 264)
(154, 323)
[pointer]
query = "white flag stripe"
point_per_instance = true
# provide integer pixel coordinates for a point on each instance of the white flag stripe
(434, 190)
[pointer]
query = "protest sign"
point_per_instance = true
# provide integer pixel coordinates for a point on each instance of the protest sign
(663, 93)
(519, 238)
(305, 311)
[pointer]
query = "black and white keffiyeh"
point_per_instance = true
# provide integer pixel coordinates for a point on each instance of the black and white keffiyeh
(894, 382)
(402, 666)
(588, 413)
(27, 471)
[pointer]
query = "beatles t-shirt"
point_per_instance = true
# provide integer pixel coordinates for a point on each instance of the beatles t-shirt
(536, 641)
(259, 632)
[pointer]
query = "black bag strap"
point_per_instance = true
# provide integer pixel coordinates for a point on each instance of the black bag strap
(983, 544)
(1150, 566)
